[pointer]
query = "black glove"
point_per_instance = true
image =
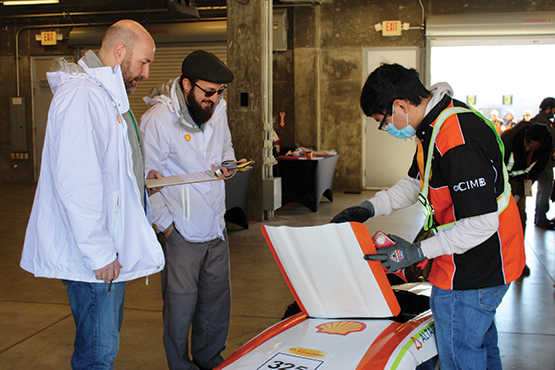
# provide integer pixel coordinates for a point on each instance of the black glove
(398, 256)
(358, 213)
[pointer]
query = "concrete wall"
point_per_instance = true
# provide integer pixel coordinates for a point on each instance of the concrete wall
(284, 92)
(346, 29)
(15, 170)
(306, 28)
(328, 43)
(317, 80)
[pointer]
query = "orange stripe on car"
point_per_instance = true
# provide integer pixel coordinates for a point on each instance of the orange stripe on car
(263, 337)
(386, 343)
(367, 245)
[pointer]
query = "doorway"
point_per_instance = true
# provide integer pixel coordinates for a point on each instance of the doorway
(385, 159)
(507, 74)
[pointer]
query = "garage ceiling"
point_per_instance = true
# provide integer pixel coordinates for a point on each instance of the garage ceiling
(79, 11)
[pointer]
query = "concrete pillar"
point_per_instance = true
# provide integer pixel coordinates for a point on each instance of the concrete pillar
(250, 94)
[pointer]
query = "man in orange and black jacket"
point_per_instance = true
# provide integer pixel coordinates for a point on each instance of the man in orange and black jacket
(459, 175)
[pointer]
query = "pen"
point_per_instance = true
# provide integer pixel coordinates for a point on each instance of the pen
(110, 286)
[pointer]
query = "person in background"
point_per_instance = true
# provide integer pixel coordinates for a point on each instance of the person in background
(88, 225)
(186, 131)
(497, 122)
(545, 179)
(527, 116)
(458, 171)
(508, 121)
(527, 152)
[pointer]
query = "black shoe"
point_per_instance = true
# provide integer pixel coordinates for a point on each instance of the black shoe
(547, 225)
(525, 272)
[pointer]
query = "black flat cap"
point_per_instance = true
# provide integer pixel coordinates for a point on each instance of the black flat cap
(203, 65)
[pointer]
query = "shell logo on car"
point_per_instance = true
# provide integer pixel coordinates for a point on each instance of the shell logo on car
(341, 327)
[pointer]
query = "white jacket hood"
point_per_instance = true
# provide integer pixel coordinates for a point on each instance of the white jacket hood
(167, 94)
(438, 91)
(110, 78)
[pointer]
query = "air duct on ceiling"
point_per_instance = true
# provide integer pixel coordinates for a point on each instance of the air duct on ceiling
(491, 24)
(201, 32)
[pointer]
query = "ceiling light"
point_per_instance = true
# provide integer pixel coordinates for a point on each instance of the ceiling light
(29, 2)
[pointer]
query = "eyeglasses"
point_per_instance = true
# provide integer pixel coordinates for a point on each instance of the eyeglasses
(382, 124)
(209, 93)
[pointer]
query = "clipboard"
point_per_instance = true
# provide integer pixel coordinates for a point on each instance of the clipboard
(205, 176)
(187, 178)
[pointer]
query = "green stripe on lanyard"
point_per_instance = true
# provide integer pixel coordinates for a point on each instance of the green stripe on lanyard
(140, 150)
(135, 126)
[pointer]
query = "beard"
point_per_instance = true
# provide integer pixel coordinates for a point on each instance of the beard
(128, 78)
(198, 113)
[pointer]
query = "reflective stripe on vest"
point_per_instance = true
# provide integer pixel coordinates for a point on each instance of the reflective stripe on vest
(515, 173)
(502, 200)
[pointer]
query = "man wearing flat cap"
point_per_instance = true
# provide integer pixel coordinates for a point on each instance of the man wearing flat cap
(186, 131)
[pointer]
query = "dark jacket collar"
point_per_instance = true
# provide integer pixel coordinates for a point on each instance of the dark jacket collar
(424, 130)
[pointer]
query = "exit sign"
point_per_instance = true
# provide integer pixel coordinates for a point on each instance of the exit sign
(391, 28)
(48, 38)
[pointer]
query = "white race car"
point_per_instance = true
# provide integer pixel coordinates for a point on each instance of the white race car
(350, 316)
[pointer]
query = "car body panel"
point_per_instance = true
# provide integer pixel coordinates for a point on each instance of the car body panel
(347, 307)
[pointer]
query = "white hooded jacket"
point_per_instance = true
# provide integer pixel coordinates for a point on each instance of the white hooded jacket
(87, 209)
(175, 145)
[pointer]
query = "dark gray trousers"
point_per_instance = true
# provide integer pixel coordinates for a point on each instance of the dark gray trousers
(197, 295)
(545, 186)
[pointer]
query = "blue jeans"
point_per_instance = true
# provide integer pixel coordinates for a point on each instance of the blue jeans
(466, 335)
(98, 318)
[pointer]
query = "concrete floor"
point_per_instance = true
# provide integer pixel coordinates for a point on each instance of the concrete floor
(36, 326)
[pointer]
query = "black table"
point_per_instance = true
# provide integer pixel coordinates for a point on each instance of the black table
(236, 199)
(306, 180)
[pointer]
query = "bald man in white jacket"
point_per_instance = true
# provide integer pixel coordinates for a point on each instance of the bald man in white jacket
(88, 225)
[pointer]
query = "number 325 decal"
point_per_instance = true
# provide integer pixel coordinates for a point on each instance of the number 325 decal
(284, 361)
(285, 365)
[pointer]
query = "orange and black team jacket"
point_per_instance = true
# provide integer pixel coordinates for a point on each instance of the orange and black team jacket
(466, 179)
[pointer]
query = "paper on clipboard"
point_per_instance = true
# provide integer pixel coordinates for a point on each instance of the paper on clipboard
(187, 178)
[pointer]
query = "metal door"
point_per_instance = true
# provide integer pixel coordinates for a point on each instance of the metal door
(385, 158)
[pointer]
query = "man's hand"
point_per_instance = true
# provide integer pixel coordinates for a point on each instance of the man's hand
(359, 213)
(109, 272)
(153, 174)
(398, 256)
(227, 173)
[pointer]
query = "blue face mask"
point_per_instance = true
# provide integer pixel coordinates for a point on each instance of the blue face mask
(405, 133)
